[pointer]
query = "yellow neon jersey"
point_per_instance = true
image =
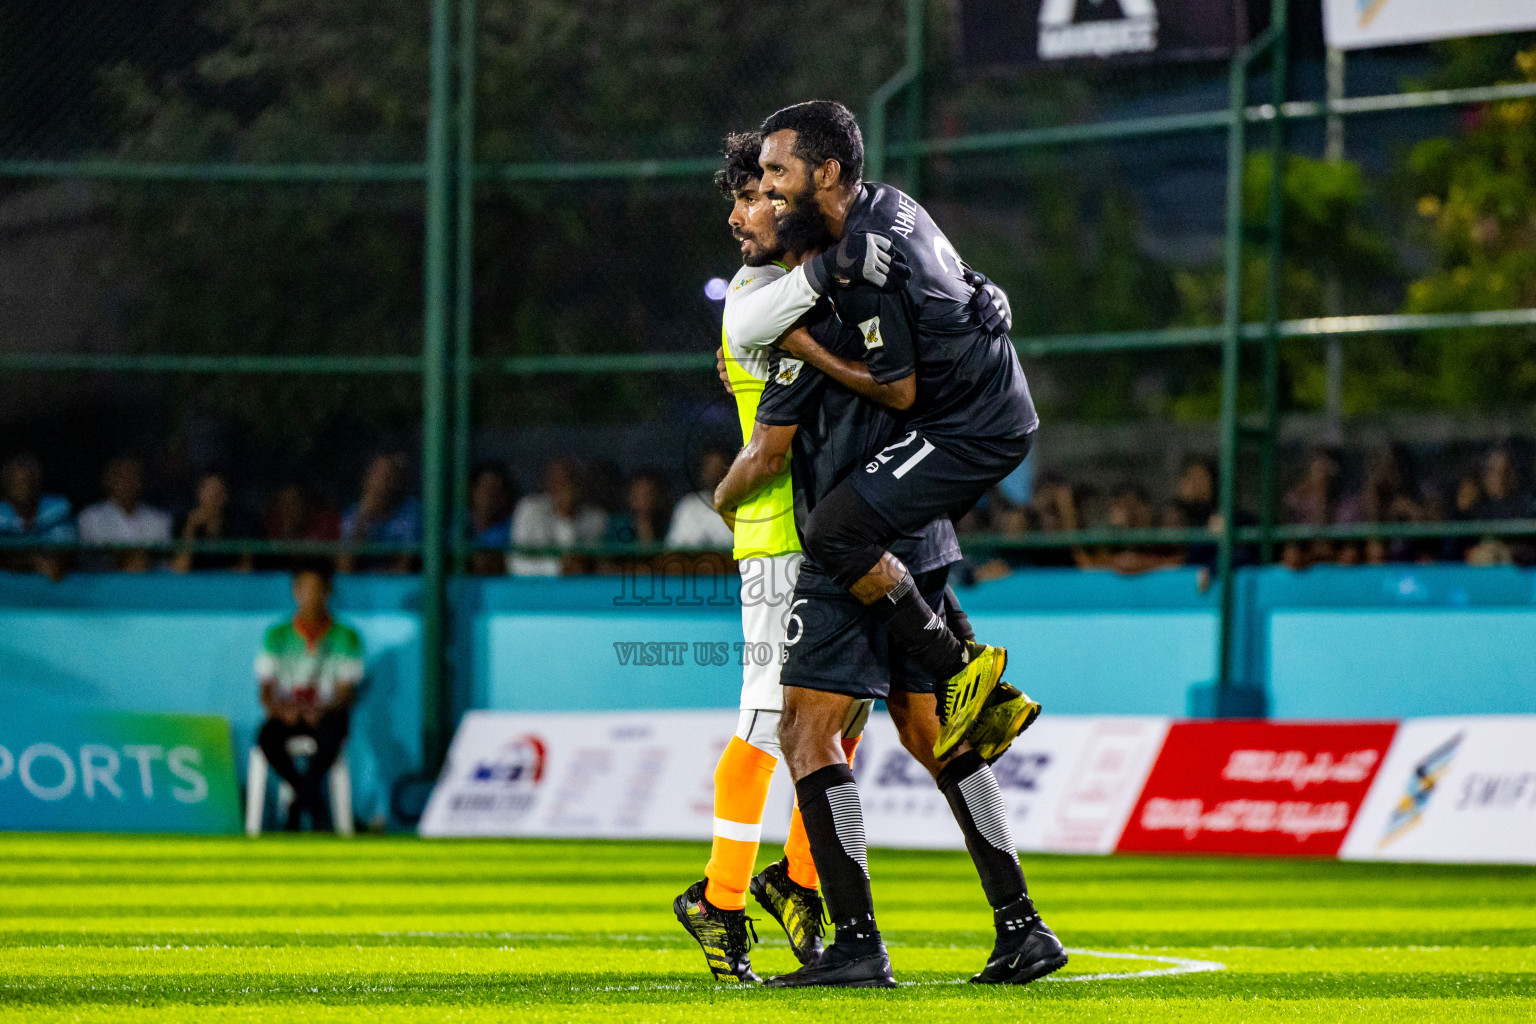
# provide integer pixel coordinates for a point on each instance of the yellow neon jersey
(765, 523)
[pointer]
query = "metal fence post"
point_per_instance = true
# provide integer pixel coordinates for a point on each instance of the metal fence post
(1333, 152)
(1279, 67)
(434, 393)
(916, 42)
(877, 142)
(464, 284)
(1231, 352)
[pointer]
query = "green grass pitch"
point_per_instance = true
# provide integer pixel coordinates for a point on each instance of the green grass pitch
(317, 929)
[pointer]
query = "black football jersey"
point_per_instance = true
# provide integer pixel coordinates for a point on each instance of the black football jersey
(969, 384)
(839, 431)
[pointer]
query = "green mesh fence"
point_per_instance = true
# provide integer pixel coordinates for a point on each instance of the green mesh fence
(470, 229)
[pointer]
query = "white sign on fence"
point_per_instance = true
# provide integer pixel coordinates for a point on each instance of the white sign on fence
(1456, 789)
(633, 775)
(1069, 782)
(1357, 24)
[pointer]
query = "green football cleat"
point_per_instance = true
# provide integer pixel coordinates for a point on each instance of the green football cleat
(721, 933)
(962, 698)
(798, 909)
(1008, 713)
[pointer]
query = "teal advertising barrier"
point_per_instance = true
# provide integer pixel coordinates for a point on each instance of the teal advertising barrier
(117, 772)
(1349, 643)
(1086, 643)
(170, 643)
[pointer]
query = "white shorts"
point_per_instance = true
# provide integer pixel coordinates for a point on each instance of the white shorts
(761, 728)
(767, 591)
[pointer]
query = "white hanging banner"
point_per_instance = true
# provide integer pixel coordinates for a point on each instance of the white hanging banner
(1357, 24)
(1457, 789)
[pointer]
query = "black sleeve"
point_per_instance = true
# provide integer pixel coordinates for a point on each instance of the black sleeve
(886, 325)
(791, 392)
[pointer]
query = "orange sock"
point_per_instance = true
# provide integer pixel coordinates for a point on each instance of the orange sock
(797, 848)
(741, 789)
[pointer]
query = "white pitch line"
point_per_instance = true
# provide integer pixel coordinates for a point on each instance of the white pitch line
(1181, 965)
(1178, 964)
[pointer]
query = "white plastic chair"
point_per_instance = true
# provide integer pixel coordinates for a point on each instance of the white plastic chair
(340, 785)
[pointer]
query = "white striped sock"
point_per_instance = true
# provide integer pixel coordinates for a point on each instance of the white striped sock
(848, 819)
(984, 799)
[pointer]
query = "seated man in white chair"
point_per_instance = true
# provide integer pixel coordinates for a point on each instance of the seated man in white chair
(309, 668)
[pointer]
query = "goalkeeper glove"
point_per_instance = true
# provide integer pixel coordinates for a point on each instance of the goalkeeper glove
(864, 257)
(990, 304)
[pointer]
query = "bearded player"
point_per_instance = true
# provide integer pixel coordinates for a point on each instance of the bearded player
(967, 420)
(767, 548)
(852, 649)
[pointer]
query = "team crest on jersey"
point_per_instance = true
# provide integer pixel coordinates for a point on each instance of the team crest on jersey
(871, 330)
(789, 369)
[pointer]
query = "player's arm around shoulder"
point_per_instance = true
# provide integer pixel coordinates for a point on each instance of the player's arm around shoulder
(764, 302)
(853, 374)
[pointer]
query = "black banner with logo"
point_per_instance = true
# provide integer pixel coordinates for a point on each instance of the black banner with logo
(999, 34)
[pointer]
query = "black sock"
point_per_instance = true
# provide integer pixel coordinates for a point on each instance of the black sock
(921, 633)
(834, 825)
(970, 787)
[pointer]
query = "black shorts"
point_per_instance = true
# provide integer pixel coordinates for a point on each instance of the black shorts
(836, 644)
(917, 480)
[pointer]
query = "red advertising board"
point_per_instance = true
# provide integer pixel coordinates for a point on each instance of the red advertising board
(1257, 787)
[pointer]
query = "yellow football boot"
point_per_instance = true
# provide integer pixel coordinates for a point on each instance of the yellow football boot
(1008, 713)
(962, 697)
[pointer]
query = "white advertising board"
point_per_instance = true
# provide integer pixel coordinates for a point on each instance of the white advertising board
(1455, 789)
(1356, 24)
(630, 775)
(1069, 783)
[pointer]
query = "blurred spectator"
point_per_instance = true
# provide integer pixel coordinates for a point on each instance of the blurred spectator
(1501, 498)
(1052, 508)
(1194, 495)
(309, 669)
(1386, 496)
(491, 498)
(647, 508)
(121, 519)
(558, 517)
(384, 514)
(292, 515)
(605, 485)
(647, 511)
(1465, 498)
(1130, 509)
(1312, 501)
(1194, 507)
(211, 518)
(1498, 498)
(696, 526)
(26, 512)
